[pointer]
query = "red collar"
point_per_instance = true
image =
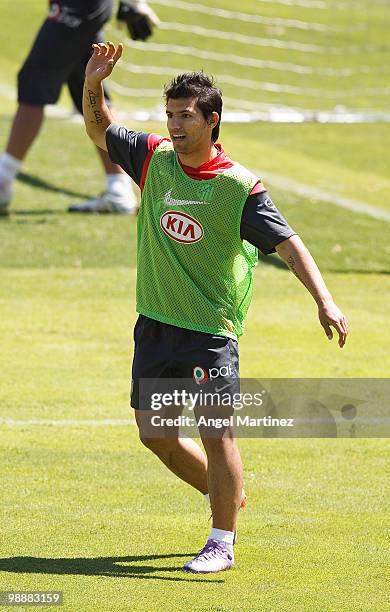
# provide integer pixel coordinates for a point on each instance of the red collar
(209, 169)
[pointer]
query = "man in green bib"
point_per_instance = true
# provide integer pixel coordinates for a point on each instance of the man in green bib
(201, 222)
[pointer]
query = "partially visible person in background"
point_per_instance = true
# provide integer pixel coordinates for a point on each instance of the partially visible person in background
(59, 56)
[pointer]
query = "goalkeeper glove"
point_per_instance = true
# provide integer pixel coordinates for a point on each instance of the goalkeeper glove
(139, 18)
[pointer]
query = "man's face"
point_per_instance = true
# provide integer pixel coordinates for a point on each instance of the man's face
(188, 129)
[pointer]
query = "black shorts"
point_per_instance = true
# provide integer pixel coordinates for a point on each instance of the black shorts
(59, 55)
(163, 351)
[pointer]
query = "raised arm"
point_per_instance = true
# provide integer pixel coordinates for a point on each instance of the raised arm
(300, 261)
(97, 115)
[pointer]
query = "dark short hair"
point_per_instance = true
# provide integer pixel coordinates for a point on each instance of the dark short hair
(197, 85)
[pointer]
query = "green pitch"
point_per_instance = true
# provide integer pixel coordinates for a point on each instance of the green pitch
(89, 511)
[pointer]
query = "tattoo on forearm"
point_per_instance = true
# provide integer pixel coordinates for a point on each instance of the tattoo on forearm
(92, 97)
(98, 117)
(291, 264)
(95, 111)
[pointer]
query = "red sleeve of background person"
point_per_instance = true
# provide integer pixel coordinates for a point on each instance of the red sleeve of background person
(206, 171)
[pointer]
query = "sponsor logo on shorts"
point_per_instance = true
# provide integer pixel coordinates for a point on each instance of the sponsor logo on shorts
(200, 375)
(181, 227)
(269, 203)
(54, 11)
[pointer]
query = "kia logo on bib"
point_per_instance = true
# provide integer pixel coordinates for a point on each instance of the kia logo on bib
(181, 227)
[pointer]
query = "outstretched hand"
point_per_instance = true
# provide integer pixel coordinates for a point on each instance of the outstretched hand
(331, 316)
(102, 61)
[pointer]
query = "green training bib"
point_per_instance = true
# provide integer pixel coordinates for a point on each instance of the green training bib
(194, 271)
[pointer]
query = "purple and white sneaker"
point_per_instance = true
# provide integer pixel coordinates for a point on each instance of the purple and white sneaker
(215, 556)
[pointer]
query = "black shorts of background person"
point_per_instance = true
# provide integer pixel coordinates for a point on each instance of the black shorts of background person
(61, 52)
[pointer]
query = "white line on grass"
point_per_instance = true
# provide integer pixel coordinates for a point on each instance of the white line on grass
(67, 422)
(272, 113)
(313, 4)
(247, 40)
(238, 16)
(258, 85)
(243, 111)
(215, 56)
(132, 92)
(240, 60)
(233, 102)
(305, 3)
(257, 41)
(323, 196)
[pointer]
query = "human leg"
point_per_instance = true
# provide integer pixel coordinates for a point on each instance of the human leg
(214, 365)
(39, 83)
(166, 351)
(25, 128)
(182, 456)
(152, 363)
(27, 120)
(224, 478)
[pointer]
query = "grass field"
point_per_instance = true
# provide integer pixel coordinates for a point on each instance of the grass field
(86, 509)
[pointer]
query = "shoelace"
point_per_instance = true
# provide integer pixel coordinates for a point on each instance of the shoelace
(211, 548)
